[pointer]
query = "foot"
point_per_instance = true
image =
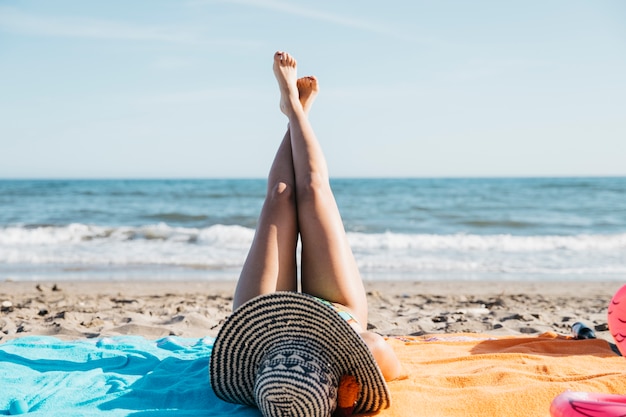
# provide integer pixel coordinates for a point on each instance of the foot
(307, 91)
(286, 75)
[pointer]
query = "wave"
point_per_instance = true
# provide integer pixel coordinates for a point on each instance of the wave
(501, 243)
(174, 217)
(221, 247)
(76, 232)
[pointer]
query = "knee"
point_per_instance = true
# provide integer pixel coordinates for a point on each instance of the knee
(386, 358)
(375, 342)
(282, 192)
(314, 188)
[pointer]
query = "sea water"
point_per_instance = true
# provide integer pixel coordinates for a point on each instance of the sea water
(402, 229)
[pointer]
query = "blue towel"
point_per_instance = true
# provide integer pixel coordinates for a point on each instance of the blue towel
(117, 376)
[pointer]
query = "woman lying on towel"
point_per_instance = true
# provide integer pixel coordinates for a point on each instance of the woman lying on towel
(285, 351)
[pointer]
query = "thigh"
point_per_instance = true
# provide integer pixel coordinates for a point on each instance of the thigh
(271, 262)
(329, 269)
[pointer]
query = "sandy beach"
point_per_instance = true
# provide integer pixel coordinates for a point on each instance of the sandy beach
(73, 310)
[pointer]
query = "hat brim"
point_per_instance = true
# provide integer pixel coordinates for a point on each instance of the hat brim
(255, 326)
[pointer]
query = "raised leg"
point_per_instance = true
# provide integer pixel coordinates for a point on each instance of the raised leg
(328, 266)
(300, 201)
(271, 262)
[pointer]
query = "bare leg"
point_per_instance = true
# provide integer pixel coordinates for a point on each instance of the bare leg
(328, 267)
(271, 262)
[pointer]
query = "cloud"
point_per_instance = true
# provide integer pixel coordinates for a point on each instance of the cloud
(360, 24)
(15, 21)
(295, 10)
(312, 14)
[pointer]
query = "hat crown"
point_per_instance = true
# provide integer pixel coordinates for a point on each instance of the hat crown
(295, 380)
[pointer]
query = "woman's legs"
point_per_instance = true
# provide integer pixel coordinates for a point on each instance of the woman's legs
(328, 267)
(299, 173)
(271, 262)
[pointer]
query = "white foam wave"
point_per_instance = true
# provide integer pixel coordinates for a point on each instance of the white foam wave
(503, 243)
(595, 256)
(223, 247)
(78, 244)
(75, 233)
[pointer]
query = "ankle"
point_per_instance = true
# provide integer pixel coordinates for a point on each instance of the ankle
(291, 106)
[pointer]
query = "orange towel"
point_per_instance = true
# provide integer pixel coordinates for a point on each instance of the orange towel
(477, 375)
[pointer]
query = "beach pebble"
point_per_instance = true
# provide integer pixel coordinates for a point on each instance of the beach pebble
(475, 312)
(18, 407)
(7, 304)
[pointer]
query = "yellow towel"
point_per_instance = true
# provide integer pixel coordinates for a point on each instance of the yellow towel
(469, 375)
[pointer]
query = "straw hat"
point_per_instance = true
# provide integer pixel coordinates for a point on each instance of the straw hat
(285, 353)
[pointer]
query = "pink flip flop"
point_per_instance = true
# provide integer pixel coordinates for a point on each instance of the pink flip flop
(587, 404)
(617, 319)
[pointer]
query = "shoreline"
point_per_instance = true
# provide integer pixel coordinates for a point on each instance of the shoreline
(154, 309)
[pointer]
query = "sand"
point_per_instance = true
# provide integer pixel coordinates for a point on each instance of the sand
(74, 310)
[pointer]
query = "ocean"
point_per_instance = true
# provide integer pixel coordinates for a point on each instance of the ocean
(529, 229)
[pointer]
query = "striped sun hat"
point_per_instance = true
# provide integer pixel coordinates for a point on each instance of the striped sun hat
(285, 353)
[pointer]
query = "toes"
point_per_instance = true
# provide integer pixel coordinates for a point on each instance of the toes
(306, 81)
(284, 59)
(280, 58)
(309, 82)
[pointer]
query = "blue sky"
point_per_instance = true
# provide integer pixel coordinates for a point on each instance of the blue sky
(176, 89)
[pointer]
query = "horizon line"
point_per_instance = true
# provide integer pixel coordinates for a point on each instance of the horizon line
(338, 177)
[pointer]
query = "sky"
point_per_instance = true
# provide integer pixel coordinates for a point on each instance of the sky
(185, 89)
